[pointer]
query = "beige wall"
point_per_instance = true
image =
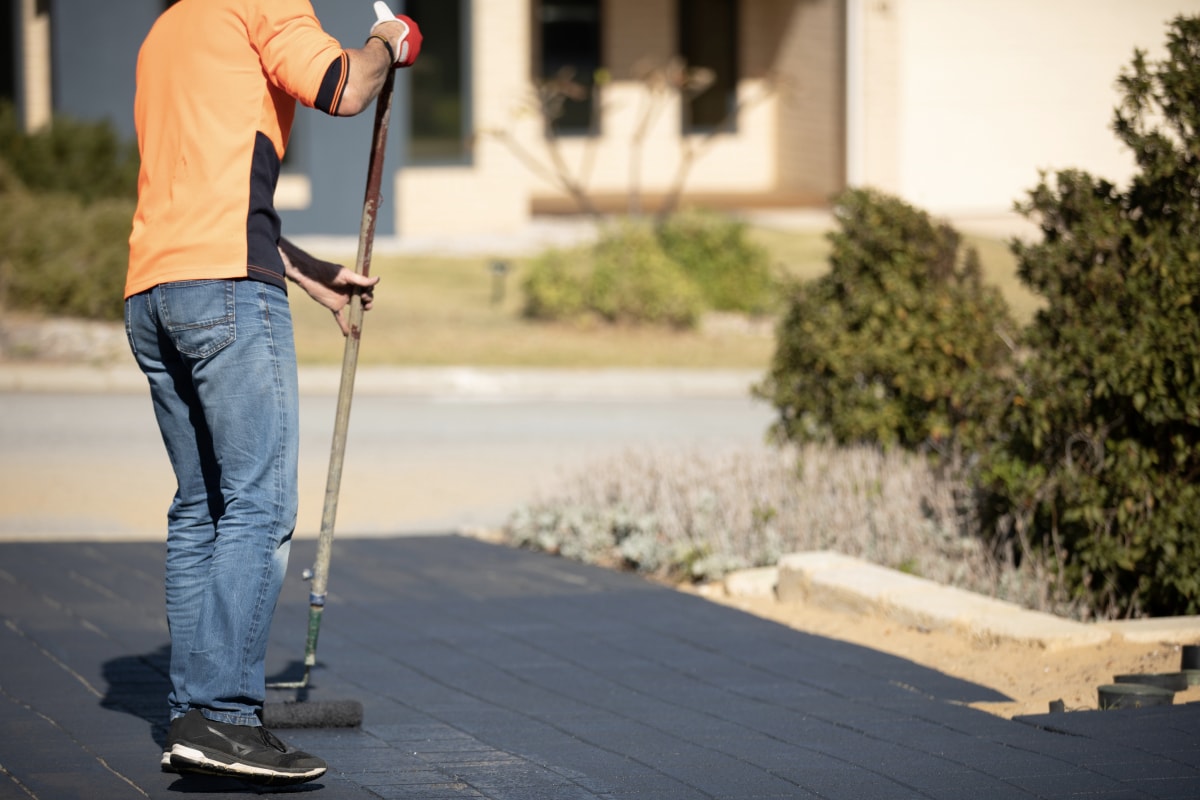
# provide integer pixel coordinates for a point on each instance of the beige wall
(644, 31)
(636, 30)
(873, 94)
(787, 140)
(492, 194)
(965, 101)
(36, 45)
(810, 55)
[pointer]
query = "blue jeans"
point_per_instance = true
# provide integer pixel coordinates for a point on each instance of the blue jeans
(221, 362)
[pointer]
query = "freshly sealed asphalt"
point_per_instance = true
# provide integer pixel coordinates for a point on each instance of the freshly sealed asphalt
(488, 672)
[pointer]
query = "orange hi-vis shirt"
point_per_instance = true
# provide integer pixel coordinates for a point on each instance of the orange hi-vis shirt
(217, 85)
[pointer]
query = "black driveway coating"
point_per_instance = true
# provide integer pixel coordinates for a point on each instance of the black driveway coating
(493, 673)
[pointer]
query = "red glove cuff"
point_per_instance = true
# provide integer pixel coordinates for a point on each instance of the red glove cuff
(409, 46)
(406, 49)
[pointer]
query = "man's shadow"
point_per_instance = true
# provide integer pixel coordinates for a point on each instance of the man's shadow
(139, 685)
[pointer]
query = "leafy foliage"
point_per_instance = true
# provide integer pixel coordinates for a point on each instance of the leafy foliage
(899, 344)
(634, 280)
(697, 514)
(85, 159)
(625, 278)
(1097, 457)
(59, 256)
(67, 196)
(665, 274)
(555, 286)
(732, 273)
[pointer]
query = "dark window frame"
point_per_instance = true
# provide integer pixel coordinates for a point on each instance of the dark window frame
(580, 117)
(443, 147)
(728, 74)
(10, 70)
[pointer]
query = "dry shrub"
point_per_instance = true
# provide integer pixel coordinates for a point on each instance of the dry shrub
(697, 515)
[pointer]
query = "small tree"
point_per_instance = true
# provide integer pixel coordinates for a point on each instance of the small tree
(899, 344)
(660, 82)
(1097, 456)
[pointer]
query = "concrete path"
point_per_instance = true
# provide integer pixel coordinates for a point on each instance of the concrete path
(428, 450)
(487, 672)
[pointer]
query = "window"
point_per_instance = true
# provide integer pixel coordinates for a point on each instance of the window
(439, 88)
(8, 46)
(708, 38)
(570, 41)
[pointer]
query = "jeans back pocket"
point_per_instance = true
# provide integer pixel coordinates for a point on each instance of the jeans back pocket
(199, 316)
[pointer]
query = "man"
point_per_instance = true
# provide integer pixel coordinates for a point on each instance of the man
(208, 322)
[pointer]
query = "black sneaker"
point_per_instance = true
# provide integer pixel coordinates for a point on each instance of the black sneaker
(172, 738)
(240, 751)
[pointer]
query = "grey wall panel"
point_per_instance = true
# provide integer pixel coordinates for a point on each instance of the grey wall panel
(95, 49)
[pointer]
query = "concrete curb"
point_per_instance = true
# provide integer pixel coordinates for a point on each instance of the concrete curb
(440, 382)
(71, 378)
(842, 583)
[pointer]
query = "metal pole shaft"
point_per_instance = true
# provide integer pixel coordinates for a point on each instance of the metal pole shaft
(333, 482)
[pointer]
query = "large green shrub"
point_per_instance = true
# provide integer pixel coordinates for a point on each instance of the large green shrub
(667, 274)
(899, 344)
(731, 272)
(1097, 457)
(61, 257)
(633, 280)
(86, 159)
(67, 196)
(554, 286)
(624, 278)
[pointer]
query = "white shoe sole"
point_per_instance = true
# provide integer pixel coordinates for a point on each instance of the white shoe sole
(193, 760)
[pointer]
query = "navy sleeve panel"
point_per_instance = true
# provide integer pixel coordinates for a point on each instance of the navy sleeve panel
(262, 222)
(332, 85)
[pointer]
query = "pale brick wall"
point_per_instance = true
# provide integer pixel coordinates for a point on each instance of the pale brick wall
(811, 54)
(37, 83)
(636, 30)
(492, 194)
(969, 100)
(882, 72)
(644, 31)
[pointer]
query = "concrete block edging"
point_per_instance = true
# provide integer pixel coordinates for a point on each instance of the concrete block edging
(843, 583)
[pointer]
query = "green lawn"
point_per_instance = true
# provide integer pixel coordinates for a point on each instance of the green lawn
(442, 311)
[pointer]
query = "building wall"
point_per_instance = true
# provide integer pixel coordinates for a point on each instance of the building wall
(325, 174)
(491, 193)
(641, 147)
(35, 91)
(874, 155)
(953, 106)
(810, 56)
(968, 101)
(95, 57)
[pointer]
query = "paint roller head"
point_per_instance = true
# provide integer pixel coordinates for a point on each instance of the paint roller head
(322, 714)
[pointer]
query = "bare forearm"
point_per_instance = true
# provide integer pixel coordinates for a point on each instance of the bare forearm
(367, 68)
(331, 285)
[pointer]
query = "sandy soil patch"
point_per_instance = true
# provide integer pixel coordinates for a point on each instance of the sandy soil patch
(1032, 677)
